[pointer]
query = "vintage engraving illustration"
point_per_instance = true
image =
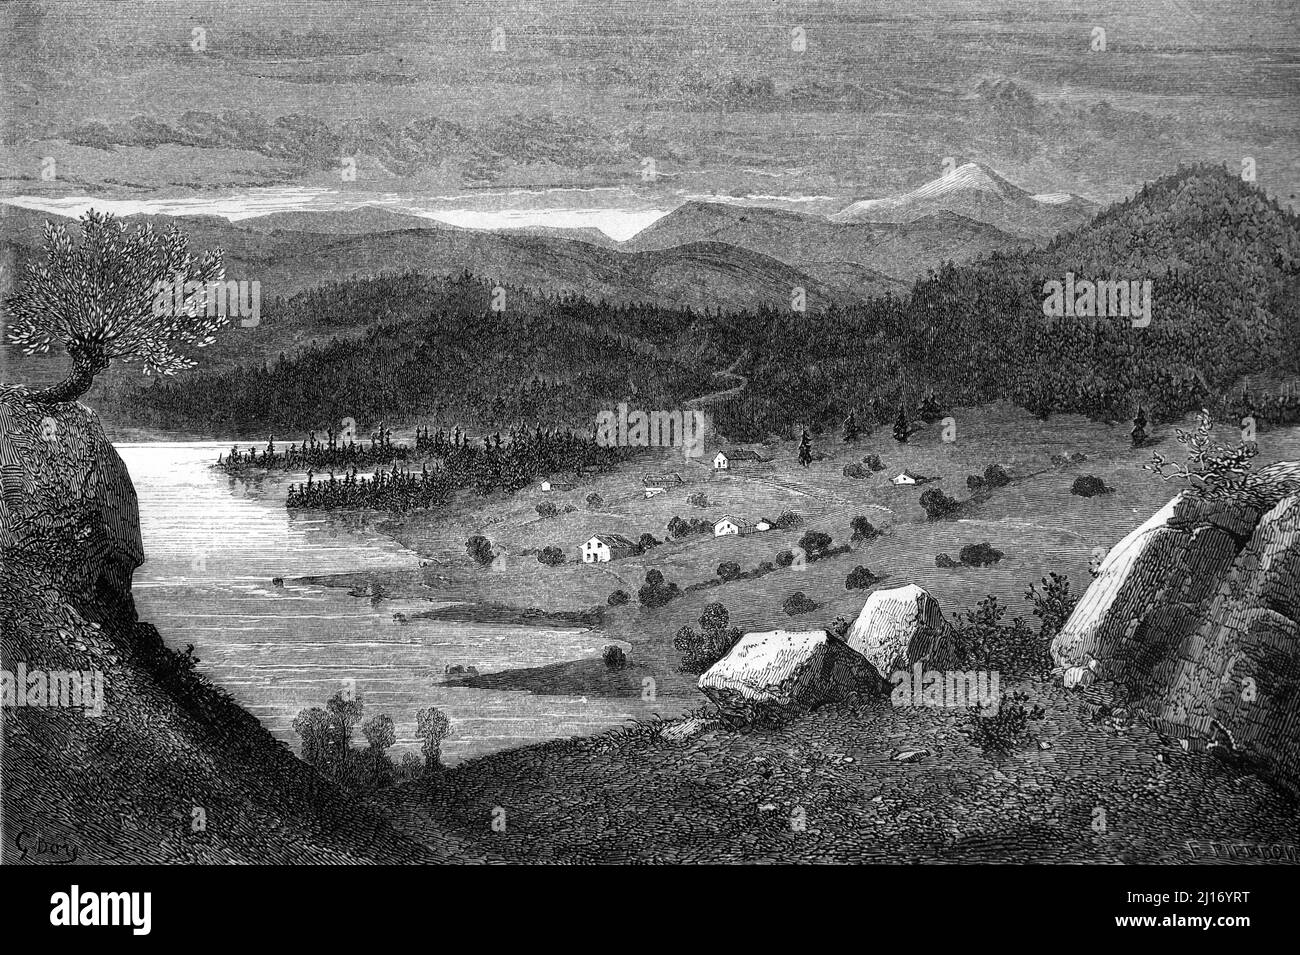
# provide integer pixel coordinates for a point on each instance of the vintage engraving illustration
(558, 431)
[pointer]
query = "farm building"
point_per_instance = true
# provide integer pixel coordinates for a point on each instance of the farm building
(607, 547)
(558, 486)
(910, 477)
(725, 460)
(658, 483)
(738, 525)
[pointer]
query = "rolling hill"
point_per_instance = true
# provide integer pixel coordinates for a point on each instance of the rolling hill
(866, 257)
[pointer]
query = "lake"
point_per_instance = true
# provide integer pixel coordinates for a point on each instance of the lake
(211, 551)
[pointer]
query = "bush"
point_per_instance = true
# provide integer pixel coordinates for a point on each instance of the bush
(656, 591)
(551, 556)
(1000, 733)
(647, 541)
(785, 558)
(943, 560)
(788, 521)
(614, 657)
(1052, 605)
(873, 462)
(937, 504)
(855, 471)
(595, 501)
(699, 499)
(480, 548)
(863, 529)
(974, 483)
(1085, 485)
(814, 543)
(729, 570)
(981, 642)
(546, 509)
(618, 598)
(859, 578)
(702, 648)
(980, 555)
(678, 528)
(797, 603)
(996, 476)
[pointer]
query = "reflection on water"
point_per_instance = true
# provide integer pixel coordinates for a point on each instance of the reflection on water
(212, 551)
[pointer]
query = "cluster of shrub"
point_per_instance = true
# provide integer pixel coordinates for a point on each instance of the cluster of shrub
(327, 743)
(995, 476)
(972, 555)
(1086, 485)
(730, 570)
(981, 641)
(702, 648)
(870, 464)
(813, 546)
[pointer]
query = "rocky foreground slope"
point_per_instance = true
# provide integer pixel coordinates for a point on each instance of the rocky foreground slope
(151, 763)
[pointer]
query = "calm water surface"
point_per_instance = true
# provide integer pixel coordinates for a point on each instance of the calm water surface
(211, 551)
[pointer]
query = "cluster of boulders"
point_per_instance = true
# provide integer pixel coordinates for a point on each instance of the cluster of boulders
(780, 671)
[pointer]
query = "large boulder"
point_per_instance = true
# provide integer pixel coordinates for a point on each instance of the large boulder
(781, 670)
(900, 627)
(1196, 615)
(67, 502)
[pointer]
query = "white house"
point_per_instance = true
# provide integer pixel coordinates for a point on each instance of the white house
(910, 477)
(557, 486)
(606, 547)
(738, 525)
(725, 460)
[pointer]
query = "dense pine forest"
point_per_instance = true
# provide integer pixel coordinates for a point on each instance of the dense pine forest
(460, 351)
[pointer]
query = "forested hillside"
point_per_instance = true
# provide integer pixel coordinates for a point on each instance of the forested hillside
(1223, 262)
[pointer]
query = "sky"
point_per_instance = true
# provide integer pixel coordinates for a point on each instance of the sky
(608, 114)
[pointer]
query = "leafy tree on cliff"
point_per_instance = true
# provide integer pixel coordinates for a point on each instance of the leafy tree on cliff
(112, 295)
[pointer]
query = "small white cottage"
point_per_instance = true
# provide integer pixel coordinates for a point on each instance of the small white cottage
(726, 460)
(606, 547)
(908, 477)
(737, 525)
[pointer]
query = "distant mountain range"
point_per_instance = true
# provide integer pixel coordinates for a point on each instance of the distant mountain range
(702, 255)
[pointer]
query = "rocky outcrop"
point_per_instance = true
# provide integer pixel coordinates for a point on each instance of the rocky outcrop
(779, 670)
(1196, 616)
(898, 628)
(68, 502)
